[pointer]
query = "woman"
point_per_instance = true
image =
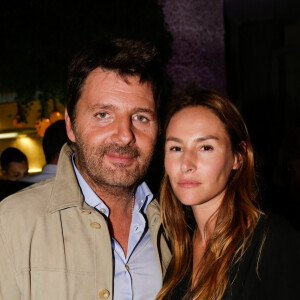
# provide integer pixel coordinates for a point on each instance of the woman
(233, 251)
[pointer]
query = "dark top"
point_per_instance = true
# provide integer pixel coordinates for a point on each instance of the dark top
(278, 275)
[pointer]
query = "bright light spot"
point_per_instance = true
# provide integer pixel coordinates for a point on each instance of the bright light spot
(8, 135)
(25, 141)
(34, 170)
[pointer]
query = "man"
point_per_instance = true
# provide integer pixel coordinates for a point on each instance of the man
(94, 231)
(14, 164)
(55, 137)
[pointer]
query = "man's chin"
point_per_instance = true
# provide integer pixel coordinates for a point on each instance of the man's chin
(119, 182)
(121, 176)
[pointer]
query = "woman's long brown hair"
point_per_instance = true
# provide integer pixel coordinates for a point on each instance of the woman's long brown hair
(237, 216)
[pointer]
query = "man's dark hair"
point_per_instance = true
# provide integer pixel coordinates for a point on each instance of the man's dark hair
(11, 154)
(54, 138)
(125, 57)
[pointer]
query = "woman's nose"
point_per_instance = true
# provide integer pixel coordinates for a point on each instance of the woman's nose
(188, 163)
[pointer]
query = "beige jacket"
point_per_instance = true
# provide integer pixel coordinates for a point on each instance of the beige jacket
(54, 246)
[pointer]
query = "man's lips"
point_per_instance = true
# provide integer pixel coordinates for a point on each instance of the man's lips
(120, 158)
(188, 183)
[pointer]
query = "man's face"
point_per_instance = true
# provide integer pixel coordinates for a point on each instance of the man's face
(115, 129)
(16, 170)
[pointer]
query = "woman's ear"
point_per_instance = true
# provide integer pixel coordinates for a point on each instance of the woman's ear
(238, 158)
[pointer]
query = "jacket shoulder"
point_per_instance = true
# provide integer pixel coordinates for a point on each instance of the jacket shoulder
(30, 200)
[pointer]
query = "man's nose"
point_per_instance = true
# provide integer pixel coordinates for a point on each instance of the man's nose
(124, 131)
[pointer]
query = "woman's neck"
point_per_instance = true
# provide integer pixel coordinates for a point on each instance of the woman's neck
(205, 215)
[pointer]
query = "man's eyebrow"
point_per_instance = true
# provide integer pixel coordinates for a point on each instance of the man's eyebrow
(100, 106)
(111, 106)
(199, 139)
(144, 110)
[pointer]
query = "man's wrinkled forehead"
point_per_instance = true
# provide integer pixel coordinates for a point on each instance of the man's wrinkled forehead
(112, 82)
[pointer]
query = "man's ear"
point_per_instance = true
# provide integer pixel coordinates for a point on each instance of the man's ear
(69, 127)
(238, 158)
(4, 173)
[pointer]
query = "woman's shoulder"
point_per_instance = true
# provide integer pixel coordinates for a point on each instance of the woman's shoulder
(279, 231)
(270, 267)
(279, 258)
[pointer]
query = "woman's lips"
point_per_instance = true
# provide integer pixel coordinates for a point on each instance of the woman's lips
(188, 183)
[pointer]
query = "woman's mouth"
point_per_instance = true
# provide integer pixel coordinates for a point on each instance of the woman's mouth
(188, 183)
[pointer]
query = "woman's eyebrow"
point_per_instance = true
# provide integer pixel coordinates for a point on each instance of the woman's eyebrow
(208, 137)
(199, 139)
(173, 139)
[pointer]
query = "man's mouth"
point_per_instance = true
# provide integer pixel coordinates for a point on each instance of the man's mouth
(125, 159)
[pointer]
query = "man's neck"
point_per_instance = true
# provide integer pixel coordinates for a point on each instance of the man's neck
(114, 197)
(120, 201)
(120, 217)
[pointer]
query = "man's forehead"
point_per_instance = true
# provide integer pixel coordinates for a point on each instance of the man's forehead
(111, 81)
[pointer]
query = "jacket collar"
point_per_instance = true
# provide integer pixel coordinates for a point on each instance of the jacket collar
(66, 191)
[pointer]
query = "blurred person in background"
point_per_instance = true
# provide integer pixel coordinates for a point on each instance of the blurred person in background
(55, 137)
(14, 164)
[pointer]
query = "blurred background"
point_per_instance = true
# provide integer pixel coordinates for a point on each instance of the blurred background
(247, 49)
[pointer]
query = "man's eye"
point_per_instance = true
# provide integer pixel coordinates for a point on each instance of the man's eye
(140, 118)
(206, 148)
(102, 115)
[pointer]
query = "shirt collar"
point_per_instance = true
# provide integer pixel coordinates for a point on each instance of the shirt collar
(143, 195)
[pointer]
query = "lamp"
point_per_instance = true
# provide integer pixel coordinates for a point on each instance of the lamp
(8, 135)
(41, 124)
(55, 115)
(16, 132)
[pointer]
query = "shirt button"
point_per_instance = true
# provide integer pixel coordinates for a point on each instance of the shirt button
(95, 225)
(127, 267)
(103, 210)
(104, 294)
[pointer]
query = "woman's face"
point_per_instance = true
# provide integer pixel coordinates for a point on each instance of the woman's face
(198, 156)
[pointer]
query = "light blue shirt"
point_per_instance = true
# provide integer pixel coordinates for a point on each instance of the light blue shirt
(48, 171)
(137, 276)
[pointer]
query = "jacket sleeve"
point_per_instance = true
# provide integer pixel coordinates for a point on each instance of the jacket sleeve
(8, 284)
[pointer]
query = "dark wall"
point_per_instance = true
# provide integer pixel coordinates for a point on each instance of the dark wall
(38, 38)
(263, 79)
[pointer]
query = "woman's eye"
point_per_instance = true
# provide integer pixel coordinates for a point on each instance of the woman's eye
(102, 115)
(206, 148)
(175, 148)
(141, 118)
